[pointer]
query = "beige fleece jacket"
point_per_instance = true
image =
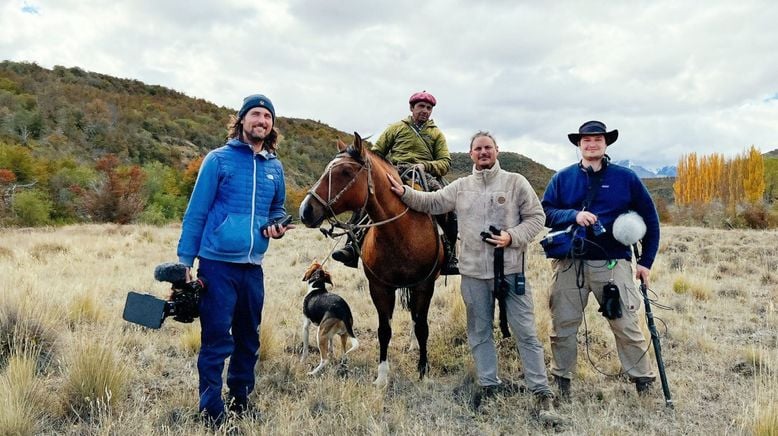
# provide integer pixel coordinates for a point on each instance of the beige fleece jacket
(486, 197)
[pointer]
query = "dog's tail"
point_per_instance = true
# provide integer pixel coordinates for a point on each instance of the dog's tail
(354, 345)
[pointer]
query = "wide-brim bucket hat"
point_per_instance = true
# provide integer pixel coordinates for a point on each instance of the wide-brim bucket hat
(594, 128)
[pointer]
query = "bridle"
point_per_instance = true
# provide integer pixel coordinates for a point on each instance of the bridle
(349, 228)
(365, 165)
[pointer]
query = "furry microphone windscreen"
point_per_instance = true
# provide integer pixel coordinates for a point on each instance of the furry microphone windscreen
(629, 228)
(170, 272)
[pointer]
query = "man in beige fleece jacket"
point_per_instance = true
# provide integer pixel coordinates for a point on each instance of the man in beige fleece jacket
(493, 197)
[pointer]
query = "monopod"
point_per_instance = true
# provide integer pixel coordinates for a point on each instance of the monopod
(657, 347)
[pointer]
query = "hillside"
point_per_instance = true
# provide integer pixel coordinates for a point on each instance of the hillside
(70, 113)
(537, 174)
(56, 123)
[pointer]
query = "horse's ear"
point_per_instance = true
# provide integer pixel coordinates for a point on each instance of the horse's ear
(358, 143)
(341, 146)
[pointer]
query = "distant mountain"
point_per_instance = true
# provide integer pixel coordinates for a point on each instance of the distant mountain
(773, 153)
(667, 171)
(68, 113)
(644, 173)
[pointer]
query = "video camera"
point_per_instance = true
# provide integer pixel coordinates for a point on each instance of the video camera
(183, 304)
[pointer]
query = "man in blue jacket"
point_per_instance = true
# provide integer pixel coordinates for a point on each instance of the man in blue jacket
(240, 190)
(598, 260)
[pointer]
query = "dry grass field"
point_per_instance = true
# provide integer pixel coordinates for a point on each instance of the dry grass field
(70, 365)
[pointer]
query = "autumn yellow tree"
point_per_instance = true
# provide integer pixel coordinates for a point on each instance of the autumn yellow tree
(753, 176)
(687, 186)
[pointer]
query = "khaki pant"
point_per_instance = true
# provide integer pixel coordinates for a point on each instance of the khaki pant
(567, 303)
(479, 301)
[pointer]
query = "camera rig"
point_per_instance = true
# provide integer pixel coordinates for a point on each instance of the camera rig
(183, 304)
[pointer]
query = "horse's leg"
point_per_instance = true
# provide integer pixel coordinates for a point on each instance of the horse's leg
(420, 306)
(383, 299)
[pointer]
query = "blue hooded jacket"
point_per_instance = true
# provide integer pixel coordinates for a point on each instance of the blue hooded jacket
(236, 193)
(620, 191)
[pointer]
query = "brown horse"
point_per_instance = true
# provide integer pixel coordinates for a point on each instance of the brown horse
(401, 249)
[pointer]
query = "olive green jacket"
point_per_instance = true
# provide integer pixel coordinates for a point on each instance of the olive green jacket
(401, 144)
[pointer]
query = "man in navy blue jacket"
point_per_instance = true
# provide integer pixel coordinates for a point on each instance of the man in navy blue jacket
(239, 190)
(598, 260)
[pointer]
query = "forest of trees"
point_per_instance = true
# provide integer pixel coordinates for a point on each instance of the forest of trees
(736, 185)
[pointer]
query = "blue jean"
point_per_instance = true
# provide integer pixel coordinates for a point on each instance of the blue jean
(230, 315)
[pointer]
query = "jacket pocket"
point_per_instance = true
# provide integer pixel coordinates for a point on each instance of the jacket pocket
(232, 236)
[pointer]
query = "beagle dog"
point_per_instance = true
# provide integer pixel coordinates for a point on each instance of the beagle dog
(329, 312)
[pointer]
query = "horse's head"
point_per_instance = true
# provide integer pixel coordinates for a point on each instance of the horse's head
(343, 186)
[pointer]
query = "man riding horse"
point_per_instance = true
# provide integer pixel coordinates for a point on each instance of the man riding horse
(414, 145)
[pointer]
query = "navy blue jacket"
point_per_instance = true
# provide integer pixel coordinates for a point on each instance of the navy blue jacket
(236, 193)
(620, 191)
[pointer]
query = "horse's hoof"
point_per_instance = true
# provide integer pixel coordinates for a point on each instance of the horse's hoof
(380, 383)
(423, 369)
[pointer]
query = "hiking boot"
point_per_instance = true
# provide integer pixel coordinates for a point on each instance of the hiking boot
(544, 407)
(643, 385)
(347, 255)
(481, 393)
(212, 422)
(563, 384)
(450, 263)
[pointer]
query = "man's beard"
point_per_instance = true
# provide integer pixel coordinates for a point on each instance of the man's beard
(255, 138)
(249, 134)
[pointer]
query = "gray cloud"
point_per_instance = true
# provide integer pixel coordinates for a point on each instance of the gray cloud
(673, 77)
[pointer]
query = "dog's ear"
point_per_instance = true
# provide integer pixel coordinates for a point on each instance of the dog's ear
(311, 269)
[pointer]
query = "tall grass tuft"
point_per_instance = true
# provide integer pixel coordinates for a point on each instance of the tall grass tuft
(681, 285)
(269, 345)
(190, 339)
(19, 410)
(43, 252)
(84, 308)
(765, 419)
(701, 291)
(24, 330)
(6, 253)
(96, 379)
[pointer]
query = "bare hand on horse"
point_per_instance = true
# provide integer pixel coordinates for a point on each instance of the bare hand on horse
(397, 187)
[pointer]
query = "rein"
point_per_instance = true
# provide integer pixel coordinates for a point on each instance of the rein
(365, 165)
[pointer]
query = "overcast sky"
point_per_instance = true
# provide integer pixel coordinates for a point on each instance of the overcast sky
(672, 76)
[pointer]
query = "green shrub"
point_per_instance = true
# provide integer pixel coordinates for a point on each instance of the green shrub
(32, 208)
(681, 285)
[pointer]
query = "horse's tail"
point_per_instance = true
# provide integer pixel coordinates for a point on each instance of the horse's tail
(405, 298)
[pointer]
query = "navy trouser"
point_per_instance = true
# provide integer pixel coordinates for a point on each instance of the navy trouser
(230, 314)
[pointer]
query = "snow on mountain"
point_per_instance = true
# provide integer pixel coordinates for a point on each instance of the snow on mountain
(645, 173)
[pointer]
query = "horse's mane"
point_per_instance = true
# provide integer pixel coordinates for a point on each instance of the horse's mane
(354, 154)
